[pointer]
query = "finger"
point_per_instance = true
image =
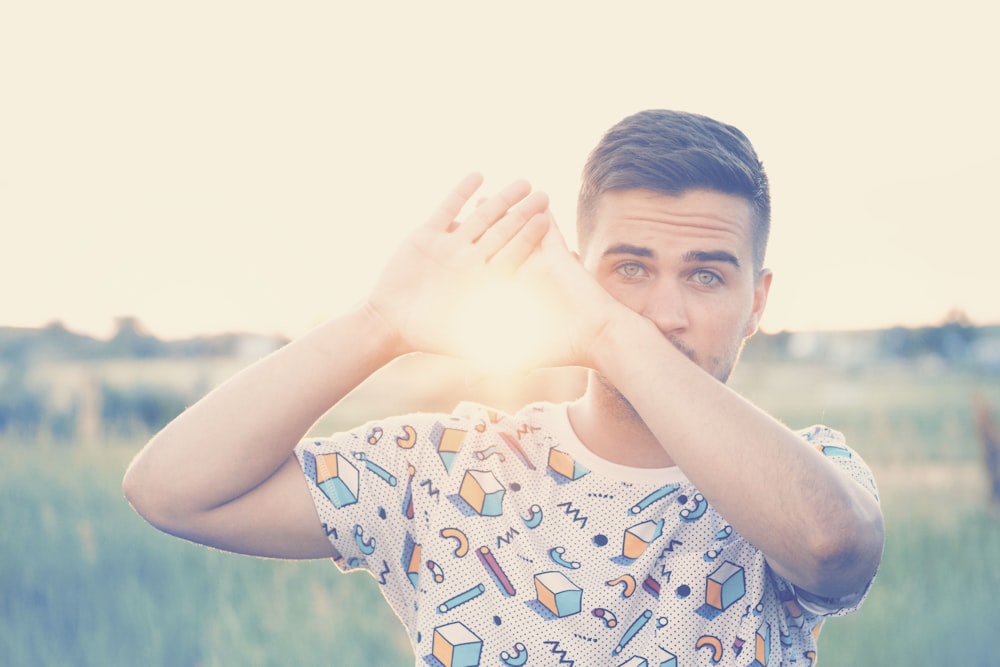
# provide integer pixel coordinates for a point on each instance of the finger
(454, 225)
(518, 249)
(446, 212)
(501, 232)
(554, 239)
(493, 209)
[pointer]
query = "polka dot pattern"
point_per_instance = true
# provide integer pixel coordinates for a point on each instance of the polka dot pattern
(498, 538)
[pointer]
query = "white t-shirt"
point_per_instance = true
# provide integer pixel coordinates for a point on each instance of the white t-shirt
(502, 540)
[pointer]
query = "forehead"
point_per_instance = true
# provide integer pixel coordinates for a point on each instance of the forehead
(695, 220)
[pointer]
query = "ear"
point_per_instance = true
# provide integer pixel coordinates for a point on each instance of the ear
(760, 291)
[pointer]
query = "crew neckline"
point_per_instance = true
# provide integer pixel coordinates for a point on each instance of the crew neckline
(570, 442)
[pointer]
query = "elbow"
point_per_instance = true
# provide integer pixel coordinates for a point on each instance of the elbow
(132, 488)
(138, 494)
(845, 554)
(148, 497)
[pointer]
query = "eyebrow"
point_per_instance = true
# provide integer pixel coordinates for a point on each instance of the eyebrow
(628, 249)
(693, 256)
(712, 256)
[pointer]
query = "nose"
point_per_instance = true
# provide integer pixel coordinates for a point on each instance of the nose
(665, 306)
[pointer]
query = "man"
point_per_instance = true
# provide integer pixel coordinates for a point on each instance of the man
(659, 519)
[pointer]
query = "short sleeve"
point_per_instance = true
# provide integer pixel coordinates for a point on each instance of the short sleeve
(336, 469)
(362, 484)
(833, 445)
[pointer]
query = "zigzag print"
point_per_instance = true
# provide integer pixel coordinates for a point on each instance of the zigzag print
(575, 513)
(562, 654)
(526, 428)
(506, 538)
(431, 491)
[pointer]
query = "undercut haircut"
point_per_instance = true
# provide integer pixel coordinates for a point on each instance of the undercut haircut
(672, 152)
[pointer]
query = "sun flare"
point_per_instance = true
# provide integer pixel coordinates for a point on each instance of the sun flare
(502, 327)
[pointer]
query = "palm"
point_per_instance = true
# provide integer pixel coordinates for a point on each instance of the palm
(577, 307)
(419, 292)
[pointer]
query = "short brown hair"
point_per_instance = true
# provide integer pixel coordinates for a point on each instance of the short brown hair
(671, 152)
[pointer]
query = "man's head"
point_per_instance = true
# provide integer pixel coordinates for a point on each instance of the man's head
(673, 152)
(673, 222)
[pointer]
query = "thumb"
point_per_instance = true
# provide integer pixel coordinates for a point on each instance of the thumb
(553, 238)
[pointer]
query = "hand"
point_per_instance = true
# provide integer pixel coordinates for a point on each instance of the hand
(549, 312)
(421, 289)
(576, 308)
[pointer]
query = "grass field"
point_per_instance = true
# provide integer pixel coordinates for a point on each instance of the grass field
(86, 582)
(83, 581)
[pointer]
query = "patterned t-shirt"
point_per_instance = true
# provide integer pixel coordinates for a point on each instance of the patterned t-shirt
(502, 540)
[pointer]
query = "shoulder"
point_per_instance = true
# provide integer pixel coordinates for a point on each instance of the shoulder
(833, 445)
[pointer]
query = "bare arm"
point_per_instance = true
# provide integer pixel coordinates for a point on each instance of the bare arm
(223, 473)
(817, 527)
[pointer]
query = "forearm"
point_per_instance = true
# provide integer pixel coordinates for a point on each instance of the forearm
(817, 527)
(242, 432)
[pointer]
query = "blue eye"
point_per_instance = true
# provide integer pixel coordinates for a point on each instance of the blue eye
(631, 270)
(707, 278)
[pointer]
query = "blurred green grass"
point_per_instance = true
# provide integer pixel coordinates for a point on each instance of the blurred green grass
(84, 581)
(934, 601)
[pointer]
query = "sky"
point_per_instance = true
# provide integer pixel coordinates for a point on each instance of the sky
(248, 166)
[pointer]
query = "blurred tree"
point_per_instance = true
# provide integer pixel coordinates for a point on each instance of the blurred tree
(132, 340)
(139, 410)
(951, 341)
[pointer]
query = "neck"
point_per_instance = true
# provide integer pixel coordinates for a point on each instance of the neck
(609, 426)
